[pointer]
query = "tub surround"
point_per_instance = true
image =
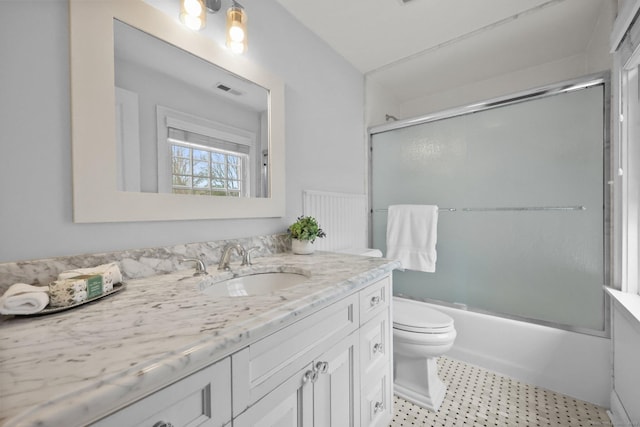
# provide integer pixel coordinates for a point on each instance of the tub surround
(76, 366)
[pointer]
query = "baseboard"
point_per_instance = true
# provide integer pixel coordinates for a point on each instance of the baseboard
(617, 414)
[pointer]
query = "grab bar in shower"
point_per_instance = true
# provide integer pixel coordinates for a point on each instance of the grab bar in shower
(516, 208)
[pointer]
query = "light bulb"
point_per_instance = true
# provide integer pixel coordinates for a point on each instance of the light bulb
(236, 33)
(236, 47)
(192, 22)
(193, 7)
(192, 14)
(236, 29)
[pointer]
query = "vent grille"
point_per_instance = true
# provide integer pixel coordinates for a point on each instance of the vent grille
(225, 88)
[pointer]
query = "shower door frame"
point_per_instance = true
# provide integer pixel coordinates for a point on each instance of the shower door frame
(591, 80)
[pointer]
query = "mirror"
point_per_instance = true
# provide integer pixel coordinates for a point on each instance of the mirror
(201, 129)
(215, 129)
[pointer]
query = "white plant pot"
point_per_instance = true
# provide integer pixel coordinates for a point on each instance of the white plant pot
(302, 247)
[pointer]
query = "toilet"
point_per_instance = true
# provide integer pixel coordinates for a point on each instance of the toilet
(420, 335)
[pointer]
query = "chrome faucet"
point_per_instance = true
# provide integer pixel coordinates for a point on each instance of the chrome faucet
(246, 259)
(226, 255)
(201, 269)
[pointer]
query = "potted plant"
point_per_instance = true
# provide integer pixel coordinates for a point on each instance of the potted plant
(303, 233)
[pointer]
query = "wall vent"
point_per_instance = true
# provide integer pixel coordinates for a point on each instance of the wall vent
(223, 87)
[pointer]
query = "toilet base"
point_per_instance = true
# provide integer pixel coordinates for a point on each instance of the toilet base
(416, 380)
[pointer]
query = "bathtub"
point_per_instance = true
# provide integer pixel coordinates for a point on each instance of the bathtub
(569, 363)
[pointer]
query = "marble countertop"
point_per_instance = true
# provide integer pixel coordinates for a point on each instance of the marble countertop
(77, 365)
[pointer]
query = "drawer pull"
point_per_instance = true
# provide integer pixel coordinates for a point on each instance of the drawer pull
(378, 348)
(375, 300)
(310, 375)
(162, 424)
(322, 367)
(378, 407)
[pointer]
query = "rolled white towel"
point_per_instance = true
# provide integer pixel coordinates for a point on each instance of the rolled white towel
(21, 298)
(110, 274)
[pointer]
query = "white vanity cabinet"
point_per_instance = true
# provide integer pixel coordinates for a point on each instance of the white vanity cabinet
(332, 368)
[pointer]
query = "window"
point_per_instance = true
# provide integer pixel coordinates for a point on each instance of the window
(201, 157)
(630, 141)
(207, 169)
(627, 138)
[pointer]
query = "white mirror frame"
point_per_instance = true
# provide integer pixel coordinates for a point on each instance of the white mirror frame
(95, 197)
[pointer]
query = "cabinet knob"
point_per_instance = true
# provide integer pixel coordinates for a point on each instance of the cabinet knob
(162, 424)
(322, 367)
(378, 407)
(310, 375)
(378, 348)
(375, 300)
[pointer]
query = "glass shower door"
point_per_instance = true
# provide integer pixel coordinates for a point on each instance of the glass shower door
(502, 250)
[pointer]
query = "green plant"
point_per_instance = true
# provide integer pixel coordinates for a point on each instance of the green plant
(306, 228)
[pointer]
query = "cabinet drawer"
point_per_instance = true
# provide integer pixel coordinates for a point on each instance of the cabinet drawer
(270, 361)
(375, 343)
(374, 299)
(201, 399)
(377, 404)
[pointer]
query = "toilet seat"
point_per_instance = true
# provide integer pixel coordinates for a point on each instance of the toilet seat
(413, 316)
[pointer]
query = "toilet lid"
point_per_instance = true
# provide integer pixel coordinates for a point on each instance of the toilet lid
(414, 316)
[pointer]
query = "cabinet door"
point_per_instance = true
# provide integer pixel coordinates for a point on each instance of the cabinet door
(336, 391)
(289, 405)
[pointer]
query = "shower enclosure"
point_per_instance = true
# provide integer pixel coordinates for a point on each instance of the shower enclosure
(521, 186)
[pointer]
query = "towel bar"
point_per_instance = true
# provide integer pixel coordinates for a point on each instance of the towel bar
(499, 209)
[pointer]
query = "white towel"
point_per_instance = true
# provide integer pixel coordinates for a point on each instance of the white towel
(21, 298)
(110, 274)
(412, 235)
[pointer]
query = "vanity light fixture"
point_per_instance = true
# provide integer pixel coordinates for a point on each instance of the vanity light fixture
(193, 14)
(237, 28)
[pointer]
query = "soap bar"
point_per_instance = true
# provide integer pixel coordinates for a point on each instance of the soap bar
(65, 292)
(110, 274)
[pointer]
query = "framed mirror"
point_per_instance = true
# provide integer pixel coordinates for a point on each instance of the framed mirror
(208, 142)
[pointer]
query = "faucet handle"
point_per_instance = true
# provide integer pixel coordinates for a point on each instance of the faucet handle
(201, 269)
(246, 260)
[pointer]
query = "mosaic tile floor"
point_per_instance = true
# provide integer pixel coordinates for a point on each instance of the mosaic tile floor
(477, 397)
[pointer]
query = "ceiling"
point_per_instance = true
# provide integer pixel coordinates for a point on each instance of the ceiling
(419, 47)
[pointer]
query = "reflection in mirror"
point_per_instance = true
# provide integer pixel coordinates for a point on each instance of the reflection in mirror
(184, 125)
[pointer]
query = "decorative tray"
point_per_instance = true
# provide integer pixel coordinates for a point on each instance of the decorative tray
(117, 287)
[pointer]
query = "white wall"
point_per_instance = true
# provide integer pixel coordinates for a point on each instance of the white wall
(595, 58)
(626, 348)
(324, 133)
(497, 86)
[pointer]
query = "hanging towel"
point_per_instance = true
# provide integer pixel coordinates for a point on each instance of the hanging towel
(21, 298)
(110, 274)
(412, 235)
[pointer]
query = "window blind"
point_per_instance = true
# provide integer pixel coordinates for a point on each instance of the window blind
(180, 135)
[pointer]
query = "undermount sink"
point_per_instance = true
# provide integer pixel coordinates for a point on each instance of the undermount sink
(254, 284)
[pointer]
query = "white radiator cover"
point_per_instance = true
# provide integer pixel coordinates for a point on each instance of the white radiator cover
(343, 216)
